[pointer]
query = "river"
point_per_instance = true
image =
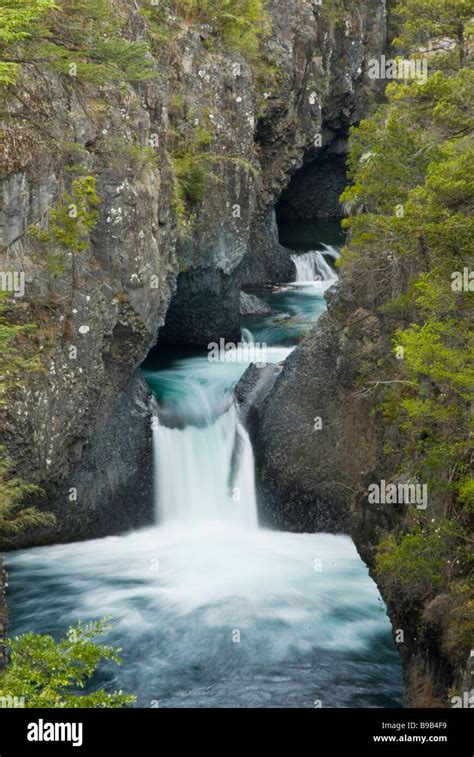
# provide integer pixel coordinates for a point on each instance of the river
(211, 610)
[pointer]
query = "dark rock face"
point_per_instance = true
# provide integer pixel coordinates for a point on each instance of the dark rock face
(110, 477)
(107, 492)
(314, 191)
(99, 487)
(303, 482)
(272, 264)
(196, 313)
(252, 389)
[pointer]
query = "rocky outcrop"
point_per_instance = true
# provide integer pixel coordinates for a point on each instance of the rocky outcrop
(252, 389)
(323, 89)
(304, 479)
(250, 304)
(327, 89)
(79, 427)
(107, 491)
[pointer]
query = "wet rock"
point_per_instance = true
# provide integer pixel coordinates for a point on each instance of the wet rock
(250, 304)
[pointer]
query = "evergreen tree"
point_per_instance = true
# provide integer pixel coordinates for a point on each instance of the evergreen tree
(82, 39)
(445, 26)
(410, 250)
(19, 21)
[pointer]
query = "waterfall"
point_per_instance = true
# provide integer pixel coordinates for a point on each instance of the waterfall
(184, 590)
(205, 473)
(247, 336)
(312, 266)
(333, 252)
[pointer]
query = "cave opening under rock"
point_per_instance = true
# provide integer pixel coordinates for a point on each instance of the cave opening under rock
(310, 202)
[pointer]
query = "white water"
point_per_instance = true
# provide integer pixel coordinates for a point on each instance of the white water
(312, 266)
(331, 251)
(213, 615)
(205, 474)
(247, 336)
(209, 609)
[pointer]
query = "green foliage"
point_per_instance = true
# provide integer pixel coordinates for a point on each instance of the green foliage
(239, 25)
(13, 360)
(192, 177)
(49, 673)
(466, 493)
(457, 641)
(411, 229)
(70, 222)
(16, 358)
(191, 164)
(428, 24)
(413, 195)
(427, 558)
(433, 558)
(191, 168)
(14, 517)
(82, 39)
(18, 18)
(18, 22)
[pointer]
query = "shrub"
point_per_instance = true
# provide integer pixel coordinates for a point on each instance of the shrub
(426, 558)
(48, 673)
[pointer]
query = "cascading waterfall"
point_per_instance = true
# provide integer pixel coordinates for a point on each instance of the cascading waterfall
(313, 266)
(331, 251)
(204, 474)
(247, 336)
(209, 609)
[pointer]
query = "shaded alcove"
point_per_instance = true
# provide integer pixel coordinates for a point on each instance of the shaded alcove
(306, 214)
(314, 190)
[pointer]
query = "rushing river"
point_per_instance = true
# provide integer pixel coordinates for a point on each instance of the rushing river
(210, 610)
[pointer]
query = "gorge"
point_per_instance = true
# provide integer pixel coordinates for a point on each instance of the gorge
(216, 509)
(210, 610)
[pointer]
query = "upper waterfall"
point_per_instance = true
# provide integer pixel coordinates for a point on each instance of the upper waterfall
(313, 266)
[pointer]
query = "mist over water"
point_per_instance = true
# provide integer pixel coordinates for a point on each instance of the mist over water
(210, 610)
(179, 594)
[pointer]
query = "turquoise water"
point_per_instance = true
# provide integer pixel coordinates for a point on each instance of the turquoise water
(179, 595)
(209, 609)
(296, 309)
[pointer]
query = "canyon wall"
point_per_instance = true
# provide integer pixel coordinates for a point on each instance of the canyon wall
(80, 427)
